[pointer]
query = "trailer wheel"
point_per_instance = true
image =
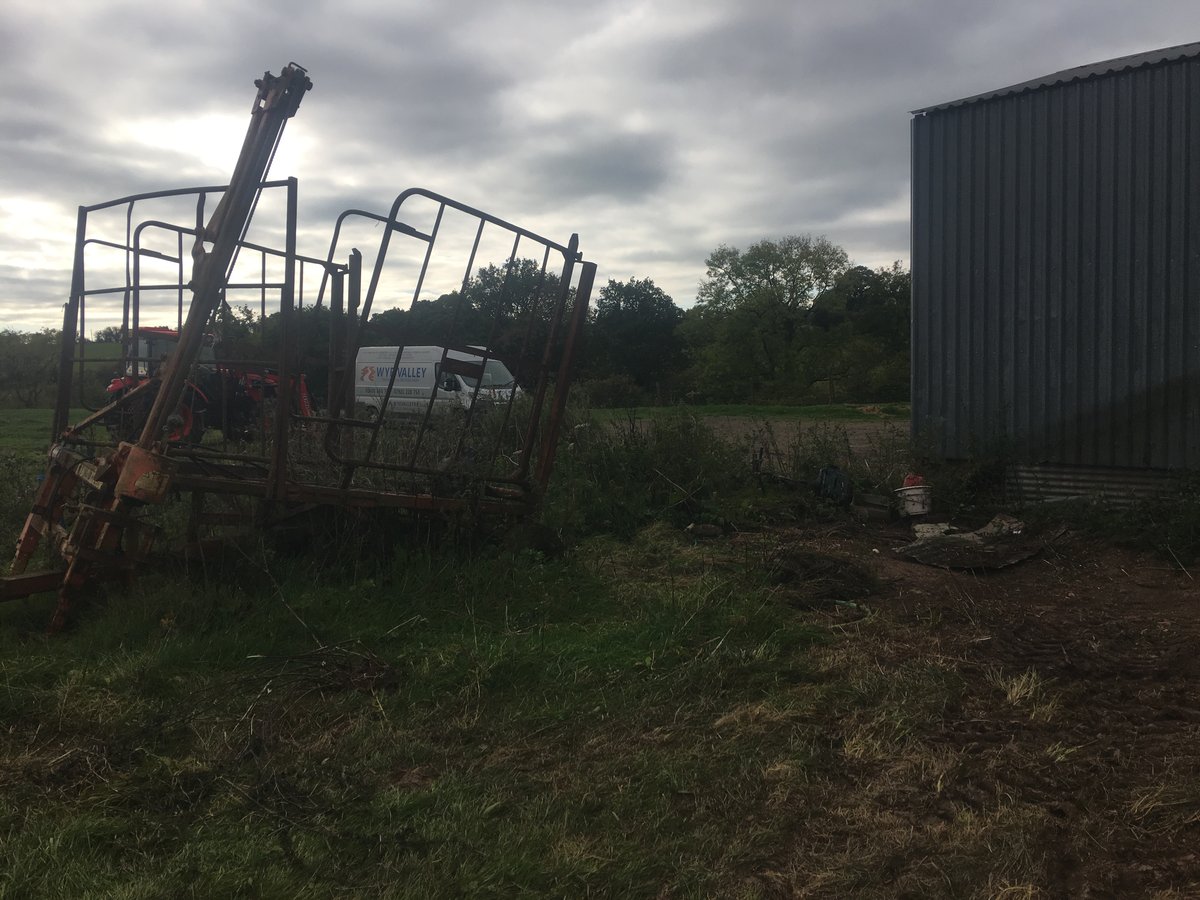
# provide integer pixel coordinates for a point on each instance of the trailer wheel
(196, 433)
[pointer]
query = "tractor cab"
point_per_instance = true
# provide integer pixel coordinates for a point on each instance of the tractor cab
(154, 345)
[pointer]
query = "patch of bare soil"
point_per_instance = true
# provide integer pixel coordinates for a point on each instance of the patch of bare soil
(1031, 732)
(845, 439)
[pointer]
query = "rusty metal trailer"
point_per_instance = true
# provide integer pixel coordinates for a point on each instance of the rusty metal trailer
(97, 514)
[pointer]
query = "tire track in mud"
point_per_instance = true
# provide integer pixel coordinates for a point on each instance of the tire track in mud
(1100, 726)
(1069, 744)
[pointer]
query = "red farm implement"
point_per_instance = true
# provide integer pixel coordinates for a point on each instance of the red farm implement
(224, 329)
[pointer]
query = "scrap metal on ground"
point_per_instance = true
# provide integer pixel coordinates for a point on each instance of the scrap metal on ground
(1004, 541)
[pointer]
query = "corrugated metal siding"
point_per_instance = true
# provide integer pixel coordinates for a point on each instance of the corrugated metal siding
(1114, 487)
(1056, 272)
(1149, 58)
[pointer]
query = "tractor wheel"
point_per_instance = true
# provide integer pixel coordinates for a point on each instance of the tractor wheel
(188, 427)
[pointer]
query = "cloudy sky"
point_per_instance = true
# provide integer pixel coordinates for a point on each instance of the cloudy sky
(656, 129)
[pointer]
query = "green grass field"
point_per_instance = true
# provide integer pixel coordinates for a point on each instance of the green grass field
(27, 430)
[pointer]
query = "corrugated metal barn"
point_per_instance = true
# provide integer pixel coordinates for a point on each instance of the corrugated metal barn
(1056, 267)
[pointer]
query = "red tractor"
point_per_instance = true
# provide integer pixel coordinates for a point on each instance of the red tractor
(218, 395)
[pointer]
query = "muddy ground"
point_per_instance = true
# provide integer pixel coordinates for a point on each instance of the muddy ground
(1058, 736)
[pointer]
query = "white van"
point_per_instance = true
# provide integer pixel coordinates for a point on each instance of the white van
(450, 377)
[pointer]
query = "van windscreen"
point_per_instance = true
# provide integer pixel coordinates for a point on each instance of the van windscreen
(495, 375)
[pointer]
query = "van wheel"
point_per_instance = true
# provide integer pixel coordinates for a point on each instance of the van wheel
(364, 411)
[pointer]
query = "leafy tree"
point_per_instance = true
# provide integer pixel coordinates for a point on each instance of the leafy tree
(878, 302)
(857, 347)
(634, 333)
(513, 291)
(791, 321)
(788, 273)
(730, 351)
(750, 319)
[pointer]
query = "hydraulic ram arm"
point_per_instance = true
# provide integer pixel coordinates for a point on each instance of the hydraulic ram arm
(105, 539)
(277, 101)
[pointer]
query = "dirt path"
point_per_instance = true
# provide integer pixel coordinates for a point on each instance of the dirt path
(1060, 731)
(860, 437)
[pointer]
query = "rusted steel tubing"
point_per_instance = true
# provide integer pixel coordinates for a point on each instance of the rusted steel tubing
(60, 481)
(66, 354)
(14, 587)
(394, 224)
(284, 388)
(196, 232)
(329, 420)
(349, 336)
(277, 101)
(539, 394)
(358, 497)
(144, 388)
(359, 463)
(368, 498)
(184, 481)
(583, 294)
(523, 460)
(171, 192)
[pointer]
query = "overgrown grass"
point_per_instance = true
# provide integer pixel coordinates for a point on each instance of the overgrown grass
(616, 478)
(877, 462)
(641, 714)
(447, 727)
(20, 475)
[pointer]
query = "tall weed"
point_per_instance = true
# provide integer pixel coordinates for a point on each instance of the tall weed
(19, 481)
(616, 477)
(876, 461)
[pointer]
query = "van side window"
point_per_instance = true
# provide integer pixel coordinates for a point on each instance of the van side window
(445, 381)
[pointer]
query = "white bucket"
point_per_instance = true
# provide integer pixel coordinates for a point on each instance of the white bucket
(915, 500)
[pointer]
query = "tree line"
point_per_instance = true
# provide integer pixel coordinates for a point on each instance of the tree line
(781, 322)
(788, 321)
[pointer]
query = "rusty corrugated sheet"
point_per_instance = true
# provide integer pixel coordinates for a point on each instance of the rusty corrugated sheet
(1056, 271)
(1114, 487)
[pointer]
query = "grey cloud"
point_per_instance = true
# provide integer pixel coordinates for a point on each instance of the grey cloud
(612, 165)
(27, 296)
(655, 130)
